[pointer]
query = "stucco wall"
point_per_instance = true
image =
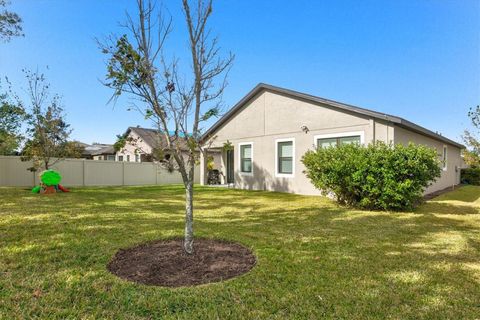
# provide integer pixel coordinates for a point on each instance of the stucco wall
(450, 176)
(270, 116)
(131, 148)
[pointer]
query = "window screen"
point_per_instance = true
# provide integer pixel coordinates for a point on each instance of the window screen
(333, 142)
(285, 157)
(246, 158)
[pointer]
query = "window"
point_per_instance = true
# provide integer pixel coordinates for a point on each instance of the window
(326, 142)
(337, 139)
(137, 158)
(120, 158)
(246, 157)
(349, 140)
(285, 157)
(128, 158)
(444, 158)
(333, 142)
(111, 157)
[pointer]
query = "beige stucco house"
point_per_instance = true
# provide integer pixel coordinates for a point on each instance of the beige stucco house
(271, 128)
(141, 143)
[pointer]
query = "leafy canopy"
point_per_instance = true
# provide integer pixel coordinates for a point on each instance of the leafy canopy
(47, 130)
(11, 117)
(10, 23)
(472, 154)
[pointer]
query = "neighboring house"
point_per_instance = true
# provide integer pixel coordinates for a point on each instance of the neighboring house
(142, 143)
(271, 128)
(98, 151)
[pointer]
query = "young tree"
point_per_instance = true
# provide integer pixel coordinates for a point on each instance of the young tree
(47, 129)
(472, 156)
(11, 117)
(137, 66)
(10, 23)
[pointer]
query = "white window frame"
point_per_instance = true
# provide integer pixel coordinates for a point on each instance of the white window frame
(240, 158)
(339, 135)
(285, 175)
(445, 162)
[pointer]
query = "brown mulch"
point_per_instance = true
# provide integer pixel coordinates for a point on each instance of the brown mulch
(164, 263)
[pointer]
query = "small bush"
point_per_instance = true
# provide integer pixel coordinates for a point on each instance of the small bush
(470, 176)
(377, 176)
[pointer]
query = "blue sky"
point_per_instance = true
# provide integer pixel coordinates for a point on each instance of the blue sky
(416, 59)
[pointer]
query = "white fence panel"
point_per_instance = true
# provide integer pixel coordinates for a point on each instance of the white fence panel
(13, 172)
(165, 177)
(142, 174)
(103, 173)
(71, 171)
(80, 172)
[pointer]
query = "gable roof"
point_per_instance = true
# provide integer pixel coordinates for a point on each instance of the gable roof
(335, 104)
(154, 139)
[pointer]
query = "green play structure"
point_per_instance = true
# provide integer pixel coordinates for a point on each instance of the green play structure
(49, 183)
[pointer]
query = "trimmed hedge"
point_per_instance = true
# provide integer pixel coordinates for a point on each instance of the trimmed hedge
(377, 176)
(470, 176)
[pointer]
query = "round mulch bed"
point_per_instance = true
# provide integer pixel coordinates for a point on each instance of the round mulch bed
(164, 263)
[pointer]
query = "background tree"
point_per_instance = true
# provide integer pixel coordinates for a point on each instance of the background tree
(11, 117)
(138, 67)
(10, 23)
(471, 139)
(47, 129)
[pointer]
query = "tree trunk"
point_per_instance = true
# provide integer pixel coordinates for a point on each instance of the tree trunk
(188, 244)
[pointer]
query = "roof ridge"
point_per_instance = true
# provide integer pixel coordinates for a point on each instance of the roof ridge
(343, 106)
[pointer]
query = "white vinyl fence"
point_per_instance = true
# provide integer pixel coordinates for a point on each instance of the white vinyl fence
(81, 172)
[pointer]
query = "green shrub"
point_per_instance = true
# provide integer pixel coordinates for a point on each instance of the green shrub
(377, 176)
(470, 176)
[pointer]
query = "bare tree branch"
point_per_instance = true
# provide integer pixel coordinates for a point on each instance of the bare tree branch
(138, 67)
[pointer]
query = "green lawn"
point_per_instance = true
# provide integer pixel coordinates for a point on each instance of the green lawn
(315, 259)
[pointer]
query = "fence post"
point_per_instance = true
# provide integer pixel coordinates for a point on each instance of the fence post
(123, 173)
(84, 173)
(35, 175)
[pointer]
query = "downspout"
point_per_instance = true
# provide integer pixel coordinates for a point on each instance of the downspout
(372, 124)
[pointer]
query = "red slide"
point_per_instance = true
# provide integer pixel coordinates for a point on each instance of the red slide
(62, 188)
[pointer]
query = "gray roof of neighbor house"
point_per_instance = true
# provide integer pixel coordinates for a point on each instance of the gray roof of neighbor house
(153, 138)
(98, 148)
(342, 106)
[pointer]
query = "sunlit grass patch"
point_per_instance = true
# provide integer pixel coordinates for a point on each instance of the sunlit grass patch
(412, 277)
(315, 259)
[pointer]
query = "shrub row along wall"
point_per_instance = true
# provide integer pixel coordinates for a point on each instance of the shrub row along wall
(471, 176)
(378, 176)
(80, 172)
